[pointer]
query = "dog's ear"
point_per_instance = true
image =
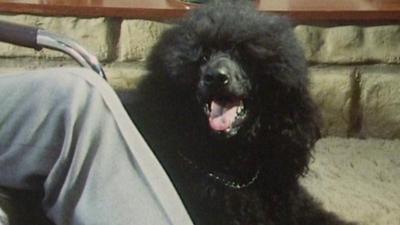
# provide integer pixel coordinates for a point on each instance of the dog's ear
(175, 56)
(291, 122)
(290, 118)
(258, 50)
(272, 50)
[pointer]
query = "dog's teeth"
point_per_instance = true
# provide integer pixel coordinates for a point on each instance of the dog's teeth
(207, 108)
(240, 111)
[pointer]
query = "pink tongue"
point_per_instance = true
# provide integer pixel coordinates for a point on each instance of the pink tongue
(222, 116)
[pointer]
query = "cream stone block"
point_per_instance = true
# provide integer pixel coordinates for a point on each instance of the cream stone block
(343, 44)
(311, 38)
(382, 43)
(121, 77)
(350, 44)
(380, 102)
(11, 70)
(93, 34)
(331, 89)
(125, 77)
(137, 38)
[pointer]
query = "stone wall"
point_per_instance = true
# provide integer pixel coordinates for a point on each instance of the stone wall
(355, 70)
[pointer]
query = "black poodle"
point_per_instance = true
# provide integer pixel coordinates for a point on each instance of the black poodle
(227, 111)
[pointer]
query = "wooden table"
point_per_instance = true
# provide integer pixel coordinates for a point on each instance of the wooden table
(368, 11)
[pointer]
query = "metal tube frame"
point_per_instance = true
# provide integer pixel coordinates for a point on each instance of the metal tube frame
(66, 45)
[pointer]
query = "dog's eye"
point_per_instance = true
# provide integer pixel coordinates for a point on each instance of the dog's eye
(204, 58)
(205, 55)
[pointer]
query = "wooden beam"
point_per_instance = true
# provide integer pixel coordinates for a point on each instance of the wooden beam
(298, 10)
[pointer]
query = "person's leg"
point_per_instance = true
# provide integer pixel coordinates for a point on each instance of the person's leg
(65, 130)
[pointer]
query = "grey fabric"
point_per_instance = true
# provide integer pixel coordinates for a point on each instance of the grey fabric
(65, 131)
(3, 218)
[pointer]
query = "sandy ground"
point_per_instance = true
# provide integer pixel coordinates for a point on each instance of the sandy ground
(357, 179)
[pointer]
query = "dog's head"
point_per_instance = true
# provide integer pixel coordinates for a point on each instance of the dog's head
(238, 63)
(242, 77)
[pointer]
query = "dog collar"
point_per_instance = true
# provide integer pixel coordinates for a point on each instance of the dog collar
(221, 178)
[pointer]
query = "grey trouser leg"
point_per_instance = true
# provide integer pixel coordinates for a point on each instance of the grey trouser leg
(65, 131)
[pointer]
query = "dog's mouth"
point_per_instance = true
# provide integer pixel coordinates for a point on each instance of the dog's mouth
(226, 115)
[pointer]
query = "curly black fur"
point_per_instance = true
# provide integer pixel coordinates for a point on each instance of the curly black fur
(270, 151)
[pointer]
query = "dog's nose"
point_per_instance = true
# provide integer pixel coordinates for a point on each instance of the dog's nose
(216, 77)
